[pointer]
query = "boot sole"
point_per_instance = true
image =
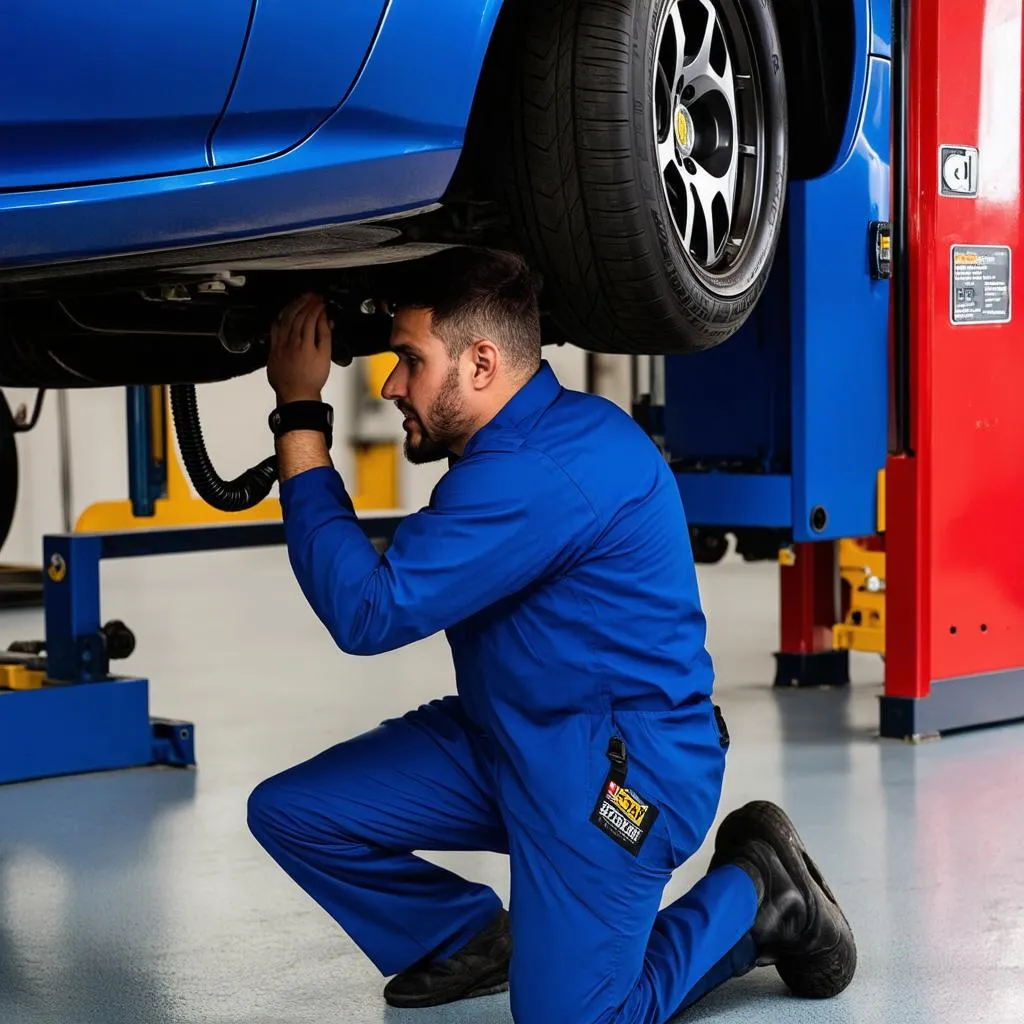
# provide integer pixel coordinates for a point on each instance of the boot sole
(489, 986)
(824, 973)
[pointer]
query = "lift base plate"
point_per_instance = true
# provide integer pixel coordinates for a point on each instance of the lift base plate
(86, 727)
(971, 702)
(819, 668)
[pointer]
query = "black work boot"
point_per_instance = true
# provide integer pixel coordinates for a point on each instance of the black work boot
(799, 926)
(479, 968)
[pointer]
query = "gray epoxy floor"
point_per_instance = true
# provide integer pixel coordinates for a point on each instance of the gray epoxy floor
(139, 897)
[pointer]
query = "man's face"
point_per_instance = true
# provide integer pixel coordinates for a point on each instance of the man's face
(427, 388)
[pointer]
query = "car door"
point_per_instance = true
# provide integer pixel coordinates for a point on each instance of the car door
(97, 90)
(301, 60)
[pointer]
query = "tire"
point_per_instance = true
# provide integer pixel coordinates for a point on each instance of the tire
(709, 545)
(582, 177)
(759, 544)
(8, 470)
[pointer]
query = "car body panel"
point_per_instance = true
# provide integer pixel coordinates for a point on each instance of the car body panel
(864, 28)
(881, 28)
(391, 147)
(300, 61)
(109, 89)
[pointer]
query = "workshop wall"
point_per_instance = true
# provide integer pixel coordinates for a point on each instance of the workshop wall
(234, 418)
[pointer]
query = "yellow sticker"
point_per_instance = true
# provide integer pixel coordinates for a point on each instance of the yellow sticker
(681, 132)
(630, 806)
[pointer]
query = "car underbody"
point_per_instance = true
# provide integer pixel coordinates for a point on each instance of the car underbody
(204, 314)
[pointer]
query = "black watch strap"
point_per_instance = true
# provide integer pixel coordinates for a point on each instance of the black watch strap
(303, 416)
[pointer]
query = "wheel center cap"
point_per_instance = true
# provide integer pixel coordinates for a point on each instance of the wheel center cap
(684, 131)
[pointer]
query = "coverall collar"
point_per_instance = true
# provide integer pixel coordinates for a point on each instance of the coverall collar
(525, 405)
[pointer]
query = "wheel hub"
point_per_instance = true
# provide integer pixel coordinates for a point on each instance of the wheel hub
(686, 135)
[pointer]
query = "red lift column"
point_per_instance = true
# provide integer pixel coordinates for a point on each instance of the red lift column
(955, 488)
(807, 611)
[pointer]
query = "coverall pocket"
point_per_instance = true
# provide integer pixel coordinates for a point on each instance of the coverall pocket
(627, 817)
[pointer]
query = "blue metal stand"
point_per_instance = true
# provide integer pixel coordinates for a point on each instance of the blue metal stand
(69, 729)
(83, 719)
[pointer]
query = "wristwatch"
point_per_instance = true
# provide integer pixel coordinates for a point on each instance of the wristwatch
(303, 416)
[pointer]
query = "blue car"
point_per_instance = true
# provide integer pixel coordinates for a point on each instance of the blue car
(173, 171)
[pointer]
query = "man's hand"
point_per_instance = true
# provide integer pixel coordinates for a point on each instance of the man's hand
(298, 368)
(300, 351)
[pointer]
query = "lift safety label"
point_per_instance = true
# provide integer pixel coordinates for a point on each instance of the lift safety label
(980, 284)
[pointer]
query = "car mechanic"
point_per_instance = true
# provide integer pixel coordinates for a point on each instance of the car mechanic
(582, 741)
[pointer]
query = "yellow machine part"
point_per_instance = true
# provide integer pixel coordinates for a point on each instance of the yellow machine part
(376, 477)
(863, 628)
(17, 677)
(377, 461)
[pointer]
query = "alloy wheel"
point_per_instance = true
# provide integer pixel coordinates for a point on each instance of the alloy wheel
(709, 131)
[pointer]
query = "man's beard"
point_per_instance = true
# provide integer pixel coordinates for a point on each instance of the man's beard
(447, 424)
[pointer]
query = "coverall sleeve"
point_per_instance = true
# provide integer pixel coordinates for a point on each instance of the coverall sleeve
(496, 523)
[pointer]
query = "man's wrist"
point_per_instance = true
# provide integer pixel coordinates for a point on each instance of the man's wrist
(308, 395)
(300, 451)
(305, 415)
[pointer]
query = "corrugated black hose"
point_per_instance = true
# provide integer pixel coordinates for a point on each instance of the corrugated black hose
(235, 495)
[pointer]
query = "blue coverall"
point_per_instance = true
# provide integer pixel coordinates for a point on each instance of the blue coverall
(555, 554)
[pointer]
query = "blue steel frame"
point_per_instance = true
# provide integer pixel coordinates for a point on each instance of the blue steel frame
(786, 424)
(147, 477)
(83, 719)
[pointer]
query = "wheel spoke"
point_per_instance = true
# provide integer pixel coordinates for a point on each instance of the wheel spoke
(700, 73)
(728, 189)
(691, 215)
(711, 81)
(667, 153)
(701, 63)
(708, 188)
(675, 26)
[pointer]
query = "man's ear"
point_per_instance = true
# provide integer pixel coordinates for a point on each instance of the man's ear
(485, 358)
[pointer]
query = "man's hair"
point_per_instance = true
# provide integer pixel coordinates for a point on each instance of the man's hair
(475, 293)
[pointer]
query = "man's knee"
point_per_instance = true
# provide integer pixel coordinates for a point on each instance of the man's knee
(281, 808)
(268, 804)
(305, 804)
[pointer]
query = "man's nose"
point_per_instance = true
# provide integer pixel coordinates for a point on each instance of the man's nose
(392, 388)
